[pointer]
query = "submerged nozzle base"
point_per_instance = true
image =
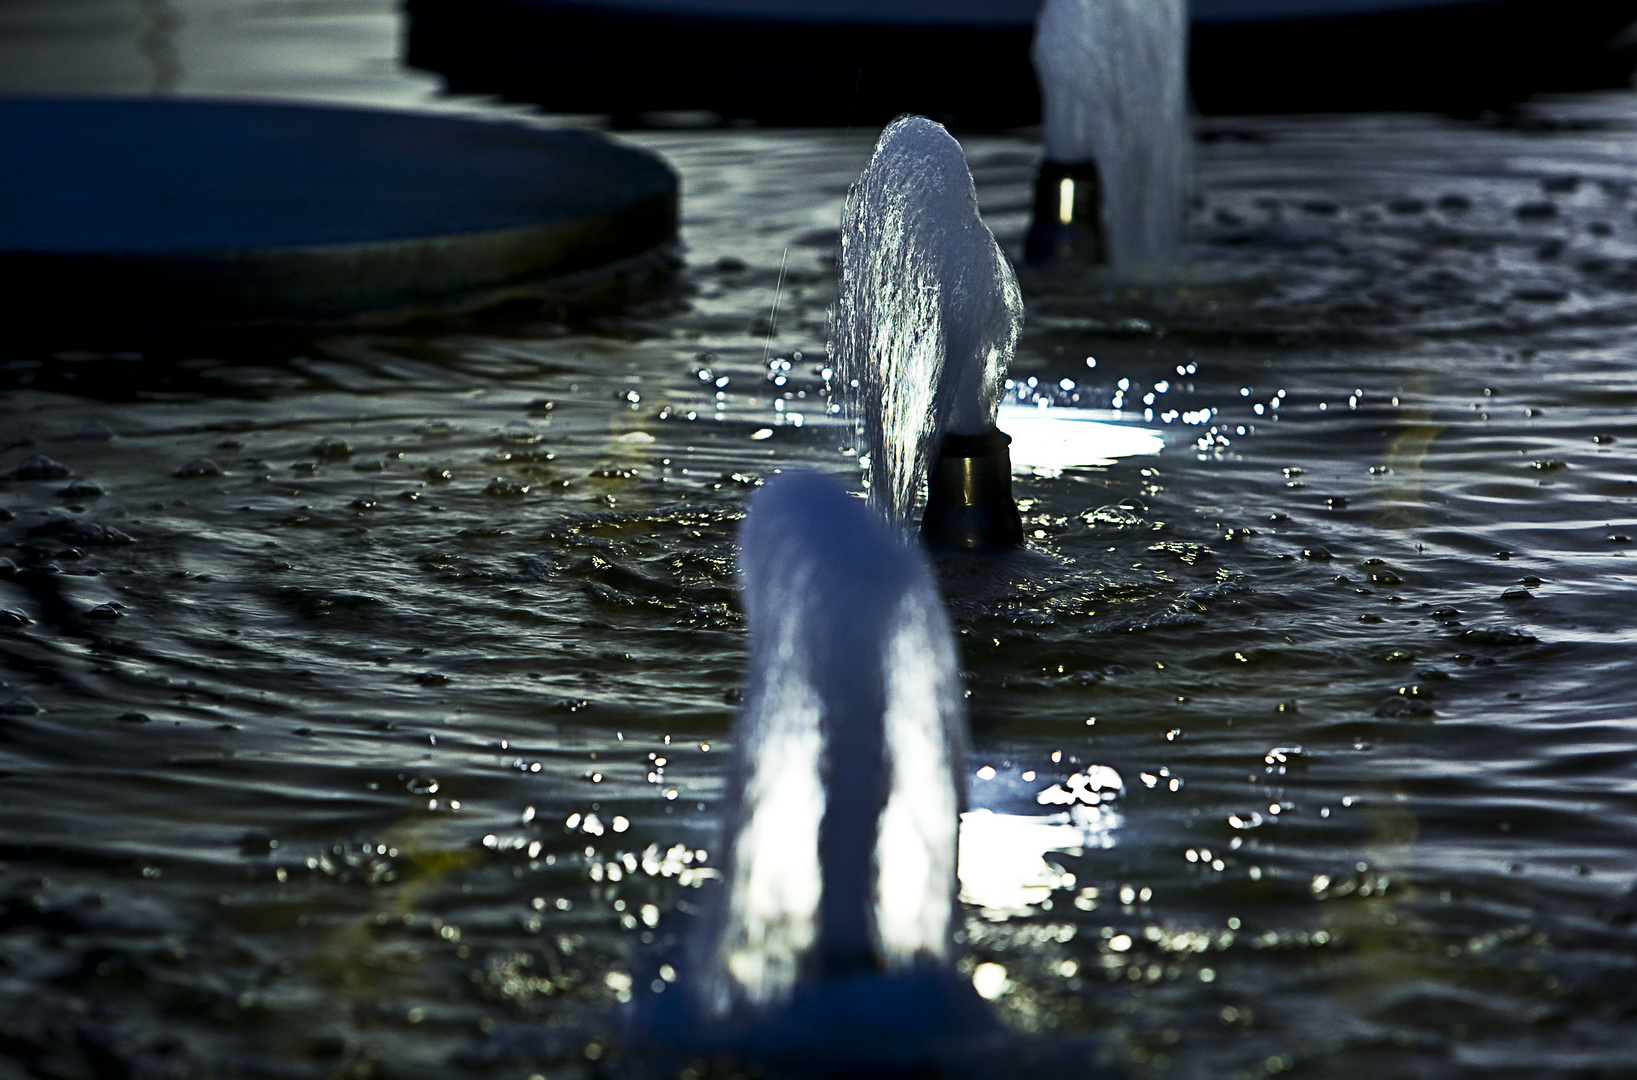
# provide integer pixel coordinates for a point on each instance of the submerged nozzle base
(1068, 216)
(969, 503)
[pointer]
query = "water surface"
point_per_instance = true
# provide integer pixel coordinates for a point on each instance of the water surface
(358, 686)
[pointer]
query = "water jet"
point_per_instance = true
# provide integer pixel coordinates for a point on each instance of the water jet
(926, 321)
(829, 949)
(1114, 85)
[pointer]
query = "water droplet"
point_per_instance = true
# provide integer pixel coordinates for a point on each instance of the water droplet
(198, 467)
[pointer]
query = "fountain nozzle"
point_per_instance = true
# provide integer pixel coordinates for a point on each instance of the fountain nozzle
(969, 503)
(1068, 216)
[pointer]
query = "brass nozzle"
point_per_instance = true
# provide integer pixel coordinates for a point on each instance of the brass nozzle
(1068, 215)
(969, 503)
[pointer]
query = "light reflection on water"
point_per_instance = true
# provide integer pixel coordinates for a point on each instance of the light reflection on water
(1046, 441)
(1006, 866)
(1417, 571)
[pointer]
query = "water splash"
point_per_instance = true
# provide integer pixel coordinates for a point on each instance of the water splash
(928, 312)
(1114, 83)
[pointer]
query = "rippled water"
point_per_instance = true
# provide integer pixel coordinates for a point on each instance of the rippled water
(357, 688)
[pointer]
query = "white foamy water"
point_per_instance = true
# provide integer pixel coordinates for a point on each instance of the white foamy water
(928, 312)
(1114, 84)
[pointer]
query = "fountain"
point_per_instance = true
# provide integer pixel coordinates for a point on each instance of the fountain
(925, 325)
(1114, 83)
(829, 948)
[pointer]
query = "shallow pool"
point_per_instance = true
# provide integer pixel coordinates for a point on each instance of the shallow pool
(364, 694)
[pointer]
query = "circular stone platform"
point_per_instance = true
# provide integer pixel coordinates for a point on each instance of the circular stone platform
(164, 213)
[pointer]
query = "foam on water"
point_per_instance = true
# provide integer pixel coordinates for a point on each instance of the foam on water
(1114, 84)
(929, 311)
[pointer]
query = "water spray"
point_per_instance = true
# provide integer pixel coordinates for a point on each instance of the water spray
(1114, 90)
(829, 949)
(926, 321)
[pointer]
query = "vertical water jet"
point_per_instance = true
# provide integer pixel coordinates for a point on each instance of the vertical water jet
(830, 946)
(845, 791)
(926, 321)
(1114, 90)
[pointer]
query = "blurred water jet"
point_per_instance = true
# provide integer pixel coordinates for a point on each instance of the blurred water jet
(1114, 87)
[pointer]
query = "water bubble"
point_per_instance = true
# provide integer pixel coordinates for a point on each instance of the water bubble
(198, 467)
(331, 450)
(80, 489)
(40, 467)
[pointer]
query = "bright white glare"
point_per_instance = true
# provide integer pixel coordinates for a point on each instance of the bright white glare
(1051, 440)
(1096, 785)
(774, 895)
(989, 980)
(917, 828)
(1003, 865)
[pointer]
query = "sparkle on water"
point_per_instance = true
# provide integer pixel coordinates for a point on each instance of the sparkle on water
(336, 757)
